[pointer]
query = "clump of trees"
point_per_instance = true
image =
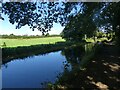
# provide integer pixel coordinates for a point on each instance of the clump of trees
(12, 36)
(79, 18)
(95, 16)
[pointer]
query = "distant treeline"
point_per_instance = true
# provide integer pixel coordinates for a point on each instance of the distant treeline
(12, 36)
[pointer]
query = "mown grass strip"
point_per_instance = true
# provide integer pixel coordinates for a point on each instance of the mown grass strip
(25, 51)
(28, 42)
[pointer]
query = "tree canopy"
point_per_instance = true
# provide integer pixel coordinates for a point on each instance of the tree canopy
(40, 15)
(79, 18)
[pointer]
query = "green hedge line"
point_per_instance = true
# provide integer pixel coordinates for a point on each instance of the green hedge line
(25, 36)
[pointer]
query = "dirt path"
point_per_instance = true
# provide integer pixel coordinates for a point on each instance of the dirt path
(104, 71)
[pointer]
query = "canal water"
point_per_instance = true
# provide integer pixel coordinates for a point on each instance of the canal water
(33, 72)
(38, 70)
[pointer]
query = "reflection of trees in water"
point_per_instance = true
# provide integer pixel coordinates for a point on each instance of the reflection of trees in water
(73, 55)
(88, 47)
(101, 73)
(5, 65)
(0, 64)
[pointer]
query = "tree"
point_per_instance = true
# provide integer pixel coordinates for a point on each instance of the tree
(40, 15)
(81, 24)
(109, 17)
(85, 19)
(47, 34)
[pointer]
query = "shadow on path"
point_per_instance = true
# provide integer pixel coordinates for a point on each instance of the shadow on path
(102, 73)
(104, 70)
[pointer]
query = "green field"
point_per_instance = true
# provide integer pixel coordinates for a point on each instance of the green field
(28, 42)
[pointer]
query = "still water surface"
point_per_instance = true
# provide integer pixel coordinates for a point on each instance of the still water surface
(32, 71)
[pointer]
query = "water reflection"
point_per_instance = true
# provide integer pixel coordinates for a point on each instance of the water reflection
(31, 72)
(73, 55)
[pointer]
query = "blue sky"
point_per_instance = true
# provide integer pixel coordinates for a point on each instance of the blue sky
(7, 28)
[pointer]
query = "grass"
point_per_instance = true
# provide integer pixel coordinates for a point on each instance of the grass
(36, 41)
(16, 48)
(89, 40)
(29, 42)
(98, 39)
(9, 53)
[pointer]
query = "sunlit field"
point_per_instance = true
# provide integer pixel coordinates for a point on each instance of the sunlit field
(28, 42)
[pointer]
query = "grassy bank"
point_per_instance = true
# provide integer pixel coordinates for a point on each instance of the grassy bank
(16, 48)
(29, 42)
(25, 51)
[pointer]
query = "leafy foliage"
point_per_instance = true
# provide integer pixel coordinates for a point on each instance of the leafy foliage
(81, 24)
(78, 27)
(109, 17)
(40, 15)
(21, 13)
(79, 18)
